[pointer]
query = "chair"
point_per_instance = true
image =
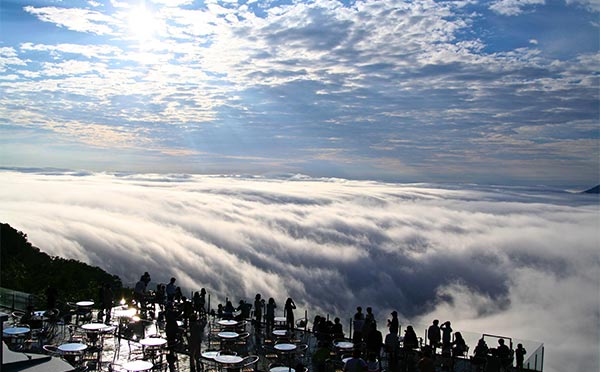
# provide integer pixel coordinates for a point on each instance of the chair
(248, 364)
(51, 350)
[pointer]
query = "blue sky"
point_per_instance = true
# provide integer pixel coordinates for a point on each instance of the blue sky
(459, 91)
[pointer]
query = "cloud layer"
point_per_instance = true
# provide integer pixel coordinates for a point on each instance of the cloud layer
(511, 261)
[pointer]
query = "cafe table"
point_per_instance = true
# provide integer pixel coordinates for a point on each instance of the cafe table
(344, 345)
(285, 347)
(281, 369)
(228, 335)
(227, 323)
(280, 332)
(71, 351)
(137, 365)
(16, 331)
(16, 335)
(228, 361)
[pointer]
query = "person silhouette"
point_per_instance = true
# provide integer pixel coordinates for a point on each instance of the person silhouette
(289, 308)
(520, 356)
(434, 335)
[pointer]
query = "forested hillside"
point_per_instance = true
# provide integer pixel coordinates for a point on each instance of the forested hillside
(26, 268)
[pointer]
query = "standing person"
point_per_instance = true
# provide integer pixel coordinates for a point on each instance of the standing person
(337, 329)
(434, 335)
(100, 303)
(195, 341)
(289, 308)
(270, 314)
(369, 321)
(446, 334)
(258, 310)
(520, 355)
(373, 340)
(171, 289)
(459, 347)
(357, 324)
(139, 294)
(146, 278)
(410, 338)
(107, 302)
(51, 296)
(393, 324)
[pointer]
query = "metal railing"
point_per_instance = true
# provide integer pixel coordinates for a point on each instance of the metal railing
(16, 300)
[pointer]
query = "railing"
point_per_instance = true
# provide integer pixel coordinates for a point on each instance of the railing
(15, 300)
(535, 362)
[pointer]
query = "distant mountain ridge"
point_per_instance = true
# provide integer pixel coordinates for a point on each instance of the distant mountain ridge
(593, 190)
(26, 268)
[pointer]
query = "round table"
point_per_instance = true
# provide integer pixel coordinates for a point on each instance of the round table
(85, 303)
(280, 332)
(72, 348)
(228, 359)
(228, 335)
(344, 345)
(94, 327)
(285, 347)
(282, 369)
(137, 365)
(124, 313)
(209, 354)
(16, 331)
(153, 341)
(227, 323)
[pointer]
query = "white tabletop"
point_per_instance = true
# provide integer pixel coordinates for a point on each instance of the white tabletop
(95, 327)
(39, 313)
(153, 341)
(282, 369)
(209, 354)
(280, 319)
(125, 313)
(16, 330)
(228, 334)
(85, 303)
(285, 347)
(280, 332)
(228, 359)
(138, 365)
(227, 322)
(344, 345)
(70, 348)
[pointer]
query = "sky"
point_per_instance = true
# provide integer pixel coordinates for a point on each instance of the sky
(489, 92)
(513, 261)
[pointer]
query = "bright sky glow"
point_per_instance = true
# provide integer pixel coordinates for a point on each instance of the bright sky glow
(440, 91)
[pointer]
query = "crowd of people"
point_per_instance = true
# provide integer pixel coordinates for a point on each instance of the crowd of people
(366, 336)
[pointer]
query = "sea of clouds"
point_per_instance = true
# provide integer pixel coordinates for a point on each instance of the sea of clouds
(519, 262)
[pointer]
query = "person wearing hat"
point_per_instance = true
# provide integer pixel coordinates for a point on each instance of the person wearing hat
(393, 324)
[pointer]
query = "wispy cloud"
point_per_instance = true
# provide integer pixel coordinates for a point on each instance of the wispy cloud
(516, 261)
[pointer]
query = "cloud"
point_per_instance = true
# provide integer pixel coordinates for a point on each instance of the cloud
(513, 7)
(520, 262)
(81, 20)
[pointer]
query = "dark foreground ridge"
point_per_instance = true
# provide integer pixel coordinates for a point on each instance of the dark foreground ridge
(74, 321)
(593, 190)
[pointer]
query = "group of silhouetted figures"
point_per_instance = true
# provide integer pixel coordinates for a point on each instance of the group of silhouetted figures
(405, 353)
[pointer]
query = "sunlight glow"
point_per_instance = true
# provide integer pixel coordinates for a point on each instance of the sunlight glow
(143, 25)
